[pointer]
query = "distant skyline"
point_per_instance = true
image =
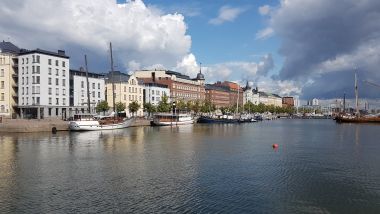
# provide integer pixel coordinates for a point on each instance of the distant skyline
(290, 47)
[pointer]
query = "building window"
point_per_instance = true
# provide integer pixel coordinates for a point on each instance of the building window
(49, 61)
(26, 92)
(125, 97)
(38, 59)
(37, 100)
(2, 97)
(56, 81)
(49, 81)
(63, 82)
(63, 73)
(56, 72)
(27, 60)
(1, 72)
(82, 84)
(93, 85)
(22, 60)
(93, 94)
(2, 85)
(57, 91)
(98, 85)
(22, 90)
(50, 108)
(49, 71)
(57, 101)
(99, 95)
(82, 93)
(37, 79)
(50, 91)
(33, 69)
(125, 88)
(37, 89)
(37, 69)
(63, 64)
(27, 69)
(27, 80)
(34, 59)
(64, 92)
(129, 89)
(64, 101)
(56, 62)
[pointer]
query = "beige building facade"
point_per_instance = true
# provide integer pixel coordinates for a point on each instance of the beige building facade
(8, 79)
(126, 90)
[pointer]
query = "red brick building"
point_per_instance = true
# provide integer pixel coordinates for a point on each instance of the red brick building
(182, 87)
(235, 92)
(218, 96)
(287, 101)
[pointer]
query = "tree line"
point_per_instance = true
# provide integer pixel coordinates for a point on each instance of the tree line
(195, 106)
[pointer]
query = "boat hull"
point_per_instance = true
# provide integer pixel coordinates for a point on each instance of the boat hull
(175, 123)
(358, 120)
(95, 126)
(212, 120)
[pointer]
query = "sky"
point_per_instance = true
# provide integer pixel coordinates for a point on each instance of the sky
(305, 48)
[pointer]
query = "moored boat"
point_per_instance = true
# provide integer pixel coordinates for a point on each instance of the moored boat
(167, 119)
(88, 122)
(217, 119)
(353, 119)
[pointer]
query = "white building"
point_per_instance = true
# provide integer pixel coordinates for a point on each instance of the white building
(78, 91)
(8, 79)
(43, 84)
(153, 93)
(256, 97)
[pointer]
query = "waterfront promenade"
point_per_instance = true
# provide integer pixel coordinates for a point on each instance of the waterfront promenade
(45, 125)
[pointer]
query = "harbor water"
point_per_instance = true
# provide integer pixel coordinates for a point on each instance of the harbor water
(319, 167)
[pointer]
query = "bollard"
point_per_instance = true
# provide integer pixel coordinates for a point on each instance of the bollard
(54, 130)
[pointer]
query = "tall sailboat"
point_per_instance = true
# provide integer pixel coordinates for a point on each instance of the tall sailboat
(89, 122)
(357, 118)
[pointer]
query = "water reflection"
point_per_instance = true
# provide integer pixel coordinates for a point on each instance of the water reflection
(319, 167)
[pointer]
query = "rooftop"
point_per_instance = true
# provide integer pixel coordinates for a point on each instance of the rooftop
(59, 53)
(8, 47)
(81, 72)
(116, 76)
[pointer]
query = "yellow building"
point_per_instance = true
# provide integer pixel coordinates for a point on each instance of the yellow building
(126, 88)
(8, 79)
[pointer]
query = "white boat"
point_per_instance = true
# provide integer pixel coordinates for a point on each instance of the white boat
(88, 122)
(172, 119)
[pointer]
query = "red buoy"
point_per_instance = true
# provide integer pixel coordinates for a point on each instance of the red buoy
(275, 146)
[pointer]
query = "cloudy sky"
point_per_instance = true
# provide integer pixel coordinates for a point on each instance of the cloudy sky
(308, 48)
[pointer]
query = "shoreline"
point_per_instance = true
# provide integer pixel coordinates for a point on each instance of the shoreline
(46, 125)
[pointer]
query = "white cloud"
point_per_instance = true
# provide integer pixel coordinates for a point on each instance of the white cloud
(226, 14)
(265, 10)
(265, 33)
(188, 65)
(139, 34)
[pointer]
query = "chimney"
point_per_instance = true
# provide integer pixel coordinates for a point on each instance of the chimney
(154, 76)
(61, 52)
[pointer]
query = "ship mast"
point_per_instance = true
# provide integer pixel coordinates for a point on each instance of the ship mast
(356, 96)
(112, 81)
(88, 85)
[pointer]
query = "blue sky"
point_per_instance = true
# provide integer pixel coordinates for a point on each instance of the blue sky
(229, 41)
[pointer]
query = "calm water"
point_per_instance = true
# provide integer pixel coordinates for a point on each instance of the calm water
(320, 167)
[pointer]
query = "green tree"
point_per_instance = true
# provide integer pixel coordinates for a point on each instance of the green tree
(196, 107)
(181, 105)
(102, 106)
(163, 105)
(207, 107)
(120, 106)
(150, 108)
(133, 107)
